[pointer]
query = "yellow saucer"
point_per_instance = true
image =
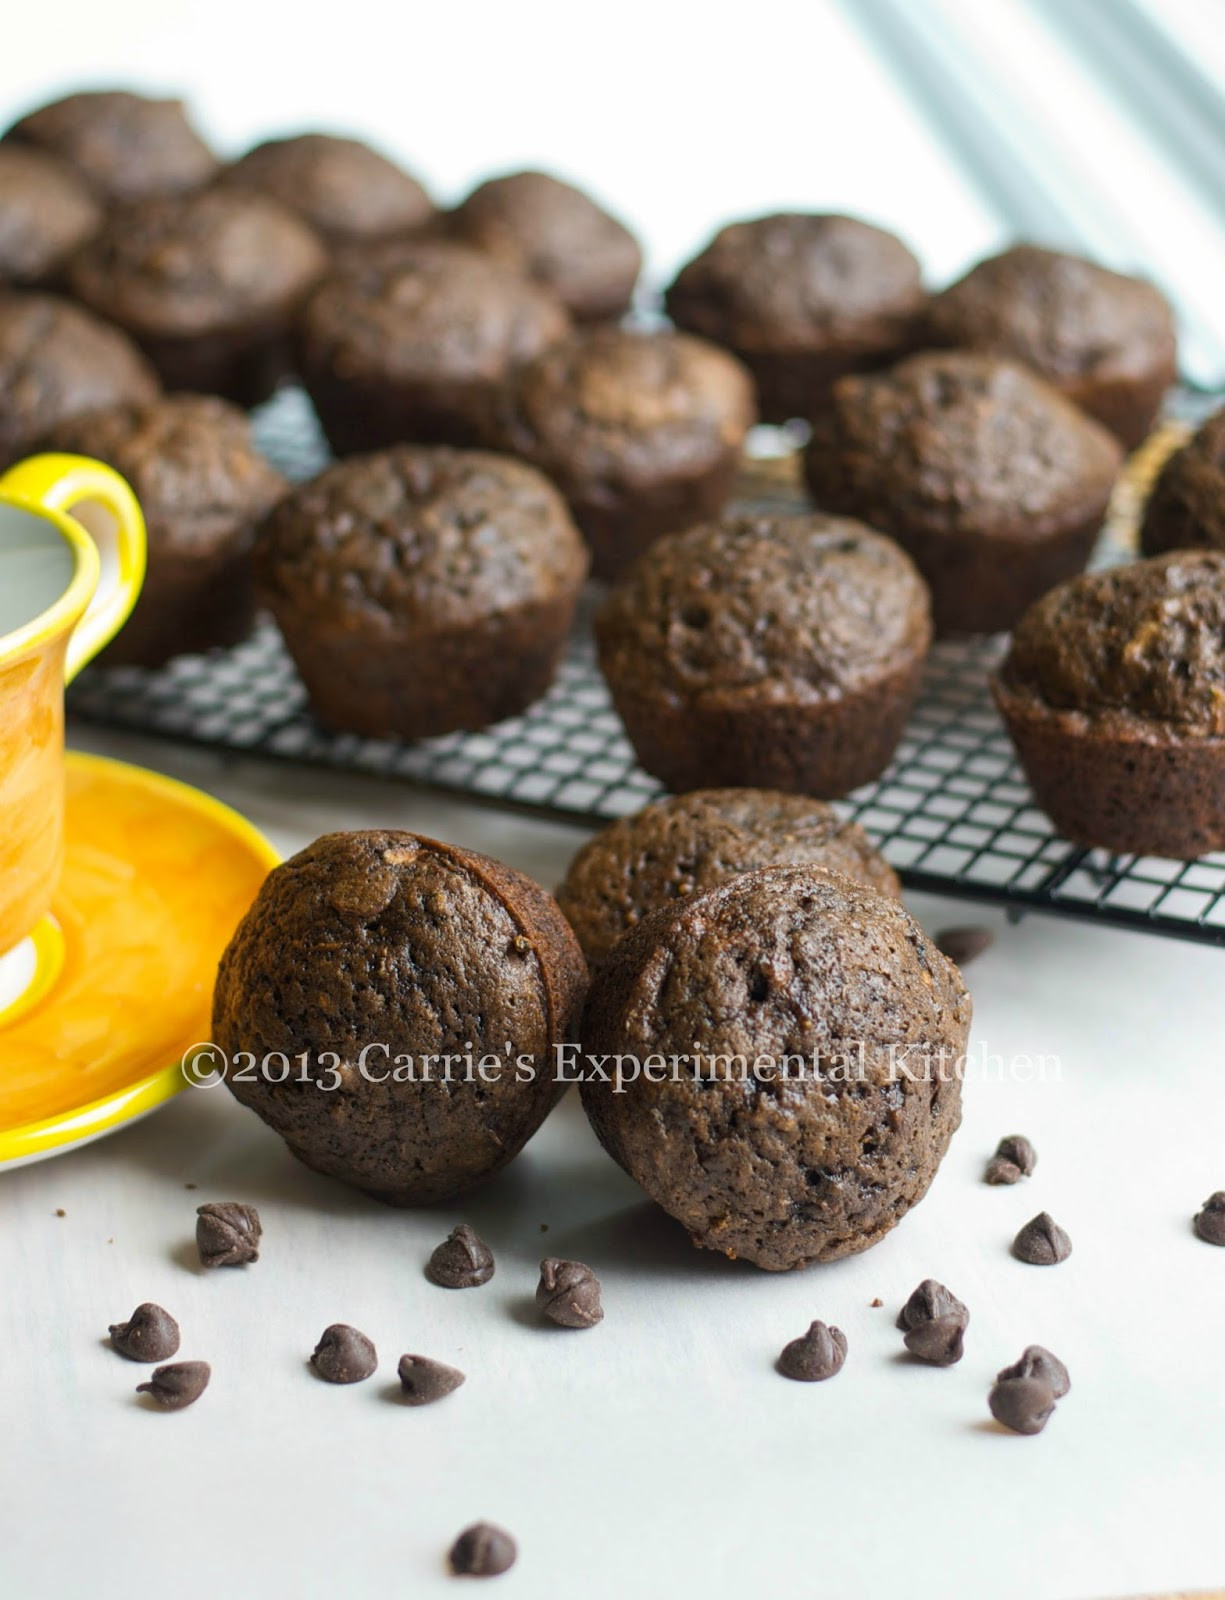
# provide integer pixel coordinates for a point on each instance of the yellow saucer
(156, 878)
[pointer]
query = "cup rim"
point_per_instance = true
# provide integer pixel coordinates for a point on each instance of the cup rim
(62, 615)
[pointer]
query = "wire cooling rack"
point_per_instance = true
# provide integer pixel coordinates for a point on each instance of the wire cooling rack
(953, 813)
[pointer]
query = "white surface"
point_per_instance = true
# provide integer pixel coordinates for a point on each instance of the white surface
(658, 1454)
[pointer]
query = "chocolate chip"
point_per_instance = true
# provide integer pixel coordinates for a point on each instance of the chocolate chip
(178, 1385)
(815, 1356)
(1042, 1242)
(569, 1294)
(1210, 1221)
(462, 1261)
(939, 1342)
(227, 1233)
(60, 1212)
(425, 1381)
(1001, 1171)
(877, 1303)
(149, 1334)
(482, 1551)
(1038, 1362)
(1015, 1158)
(1022, 1404)
(343, 1355)
(962, 945)
(929, 1301)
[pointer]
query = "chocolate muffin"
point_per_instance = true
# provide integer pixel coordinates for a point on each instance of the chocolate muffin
(801, 299)
(774, 652)
(202, 487)
(414, 342)
(422, 589)
(46, 212)
(347, 192)
(642, 433)
(57, 361)
(1186, 509)
(127, 146)
(207, 284)
(558, 236)
(1114, 695)
(389, 962)
(993, 482)
(688, 843)
(811, 1038)
(1105, 340)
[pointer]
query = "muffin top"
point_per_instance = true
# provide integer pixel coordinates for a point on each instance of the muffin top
(1145, 641)
(190, 460)
(128, 146)
(418, 536)
(1187, 506)
(46, 212)
(758, 608)
(56, 361)
(344, 189)
(687, 843)
(558, 236)
(798, 281)
(955, 442)
(195, 263)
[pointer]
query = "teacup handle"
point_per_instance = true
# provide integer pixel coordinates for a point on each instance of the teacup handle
(101, 501)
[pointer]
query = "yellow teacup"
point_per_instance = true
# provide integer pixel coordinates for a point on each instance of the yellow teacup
(72, 560)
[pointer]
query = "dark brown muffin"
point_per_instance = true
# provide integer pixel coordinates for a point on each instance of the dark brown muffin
(775, 652)
(1186, 509)
(46, 212)
(1105, 340)
(421, 590)
(993, 482)
(642, 433)
(1114, 694)
(558, 236)
(688, 843)
(57, 361)
(207, 284)
(801, 299)
(349, 193)
(202, 487)
(817, 1037)
(128, 146)
(414, 342)
(392, 961)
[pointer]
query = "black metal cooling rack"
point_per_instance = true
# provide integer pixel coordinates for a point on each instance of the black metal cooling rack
(952, 814)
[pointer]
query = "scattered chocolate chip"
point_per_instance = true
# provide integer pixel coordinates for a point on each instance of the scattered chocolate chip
(343, 1355)
(178, 1385)
(1210, 1221)
(60, 1212)
(227, 1233)
(462, 1261)
(425, 1381)
(929, 1301)
(569, 1294)
(482, 1551)
(1015, 1158)
(939, 1342)
(1022, 1404)
(962, 945)
(1001, 1171)
(877, 1303)
(149, 1334)
(1038, 1362)
(815, 1356)
(1042, 1242)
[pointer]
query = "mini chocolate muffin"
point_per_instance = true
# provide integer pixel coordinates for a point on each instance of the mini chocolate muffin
(687, 843)
(1186, 510)
(810, 1037)
(642, 433)
(995, 484)
(414, 341)
(558, 236)
(57, 361)
(202, 487)
(1114, 695)
(773, 652)
(46, 213)
(422, 589)
(801, 299)
(347, 192)
(399, 968)
(127, 146)
(1105, 340)
(207, 284)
